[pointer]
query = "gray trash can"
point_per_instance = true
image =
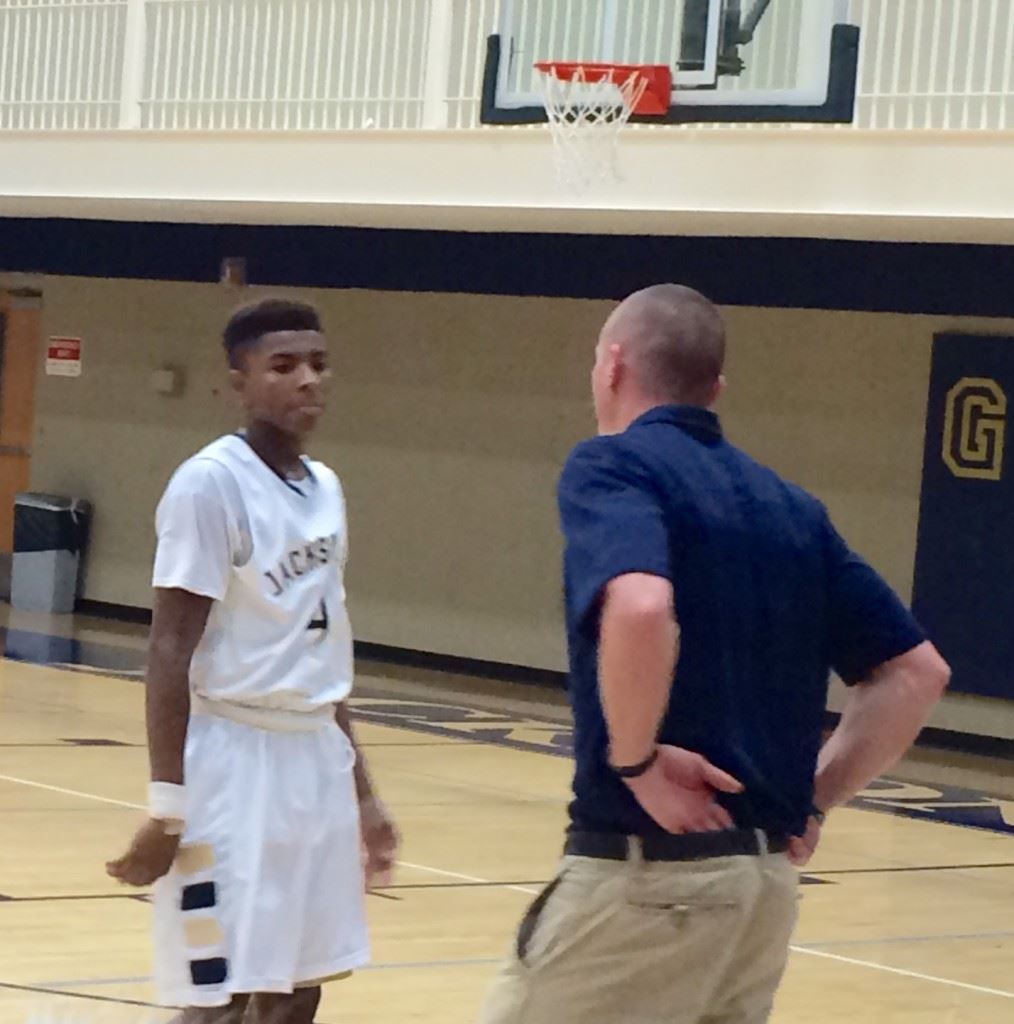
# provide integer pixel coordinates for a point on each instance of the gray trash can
(50, 533)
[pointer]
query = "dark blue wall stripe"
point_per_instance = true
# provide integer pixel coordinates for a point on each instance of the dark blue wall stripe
(774, 272)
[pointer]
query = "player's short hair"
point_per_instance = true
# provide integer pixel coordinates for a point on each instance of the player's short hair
(251, 322)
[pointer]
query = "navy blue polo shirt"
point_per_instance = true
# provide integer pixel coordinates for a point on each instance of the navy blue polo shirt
(768, 596)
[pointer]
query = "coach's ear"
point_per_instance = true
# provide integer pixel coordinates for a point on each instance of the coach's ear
(616, 367)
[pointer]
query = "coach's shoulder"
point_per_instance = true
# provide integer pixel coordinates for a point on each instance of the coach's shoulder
(593, 454)
(807, 503)
(607, 461)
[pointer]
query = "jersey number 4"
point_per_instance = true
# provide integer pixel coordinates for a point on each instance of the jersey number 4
(320, 621)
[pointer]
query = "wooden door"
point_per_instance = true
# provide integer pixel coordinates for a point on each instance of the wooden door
(20, 330)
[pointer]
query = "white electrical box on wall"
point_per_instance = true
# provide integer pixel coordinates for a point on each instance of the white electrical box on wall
(165, 381)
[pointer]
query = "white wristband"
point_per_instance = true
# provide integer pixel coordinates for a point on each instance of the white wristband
(167, 801)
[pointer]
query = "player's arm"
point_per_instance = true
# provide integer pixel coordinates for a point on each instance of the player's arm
(380, 836)
(364, 781)
(197, 547)
(178, 621)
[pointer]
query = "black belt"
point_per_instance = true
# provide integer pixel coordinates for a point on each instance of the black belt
(737, 842)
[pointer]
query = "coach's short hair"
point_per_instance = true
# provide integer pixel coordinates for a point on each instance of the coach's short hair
(677, 342)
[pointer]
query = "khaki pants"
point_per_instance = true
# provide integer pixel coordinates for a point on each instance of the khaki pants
(628, 942)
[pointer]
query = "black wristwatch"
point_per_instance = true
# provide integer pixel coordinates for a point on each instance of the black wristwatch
(635, 771)
(816, 812)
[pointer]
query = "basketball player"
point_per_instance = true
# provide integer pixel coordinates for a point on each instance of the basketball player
(259, 797)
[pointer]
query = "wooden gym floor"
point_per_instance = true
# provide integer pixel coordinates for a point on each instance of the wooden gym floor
(907, 912)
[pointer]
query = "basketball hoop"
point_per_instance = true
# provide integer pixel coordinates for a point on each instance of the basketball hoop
(588, 105)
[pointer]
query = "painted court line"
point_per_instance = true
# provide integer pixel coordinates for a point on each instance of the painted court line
(982, 989)
(94, 982)
(467, 878)
(138, 807)
(87, 996)
(71, 792)
(906, 939)
(871, 964)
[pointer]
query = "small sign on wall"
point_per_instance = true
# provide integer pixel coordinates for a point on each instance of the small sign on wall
(63, 357)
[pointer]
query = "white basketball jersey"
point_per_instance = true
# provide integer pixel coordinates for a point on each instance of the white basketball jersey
(271, 554)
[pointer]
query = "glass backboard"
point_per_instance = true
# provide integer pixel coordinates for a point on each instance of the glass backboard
(732, 60)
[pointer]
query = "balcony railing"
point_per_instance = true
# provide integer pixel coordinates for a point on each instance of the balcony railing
(326, 65)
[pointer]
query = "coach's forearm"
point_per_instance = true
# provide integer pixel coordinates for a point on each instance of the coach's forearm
(880, 722)
(638, 646)
(364, 784)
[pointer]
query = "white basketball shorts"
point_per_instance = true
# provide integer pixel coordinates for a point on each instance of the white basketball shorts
(267, 891)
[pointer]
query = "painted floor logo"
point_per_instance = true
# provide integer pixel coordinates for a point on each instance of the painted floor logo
(952, 804)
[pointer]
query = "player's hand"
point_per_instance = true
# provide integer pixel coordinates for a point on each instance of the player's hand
(679, 789)
(150, 856)
(801, 848)
(380, 838)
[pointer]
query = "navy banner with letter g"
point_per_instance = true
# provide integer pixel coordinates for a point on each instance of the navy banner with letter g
(964, 565)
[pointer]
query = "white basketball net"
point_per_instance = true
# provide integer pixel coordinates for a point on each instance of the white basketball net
(585, 118)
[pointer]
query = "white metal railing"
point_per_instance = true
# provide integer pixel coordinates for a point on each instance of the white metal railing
(284, 64)
(213, 65)
(936, 63)
(61, 63)
(471, 23)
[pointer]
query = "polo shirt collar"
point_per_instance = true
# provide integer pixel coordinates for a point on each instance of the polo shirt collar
(700, 423)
